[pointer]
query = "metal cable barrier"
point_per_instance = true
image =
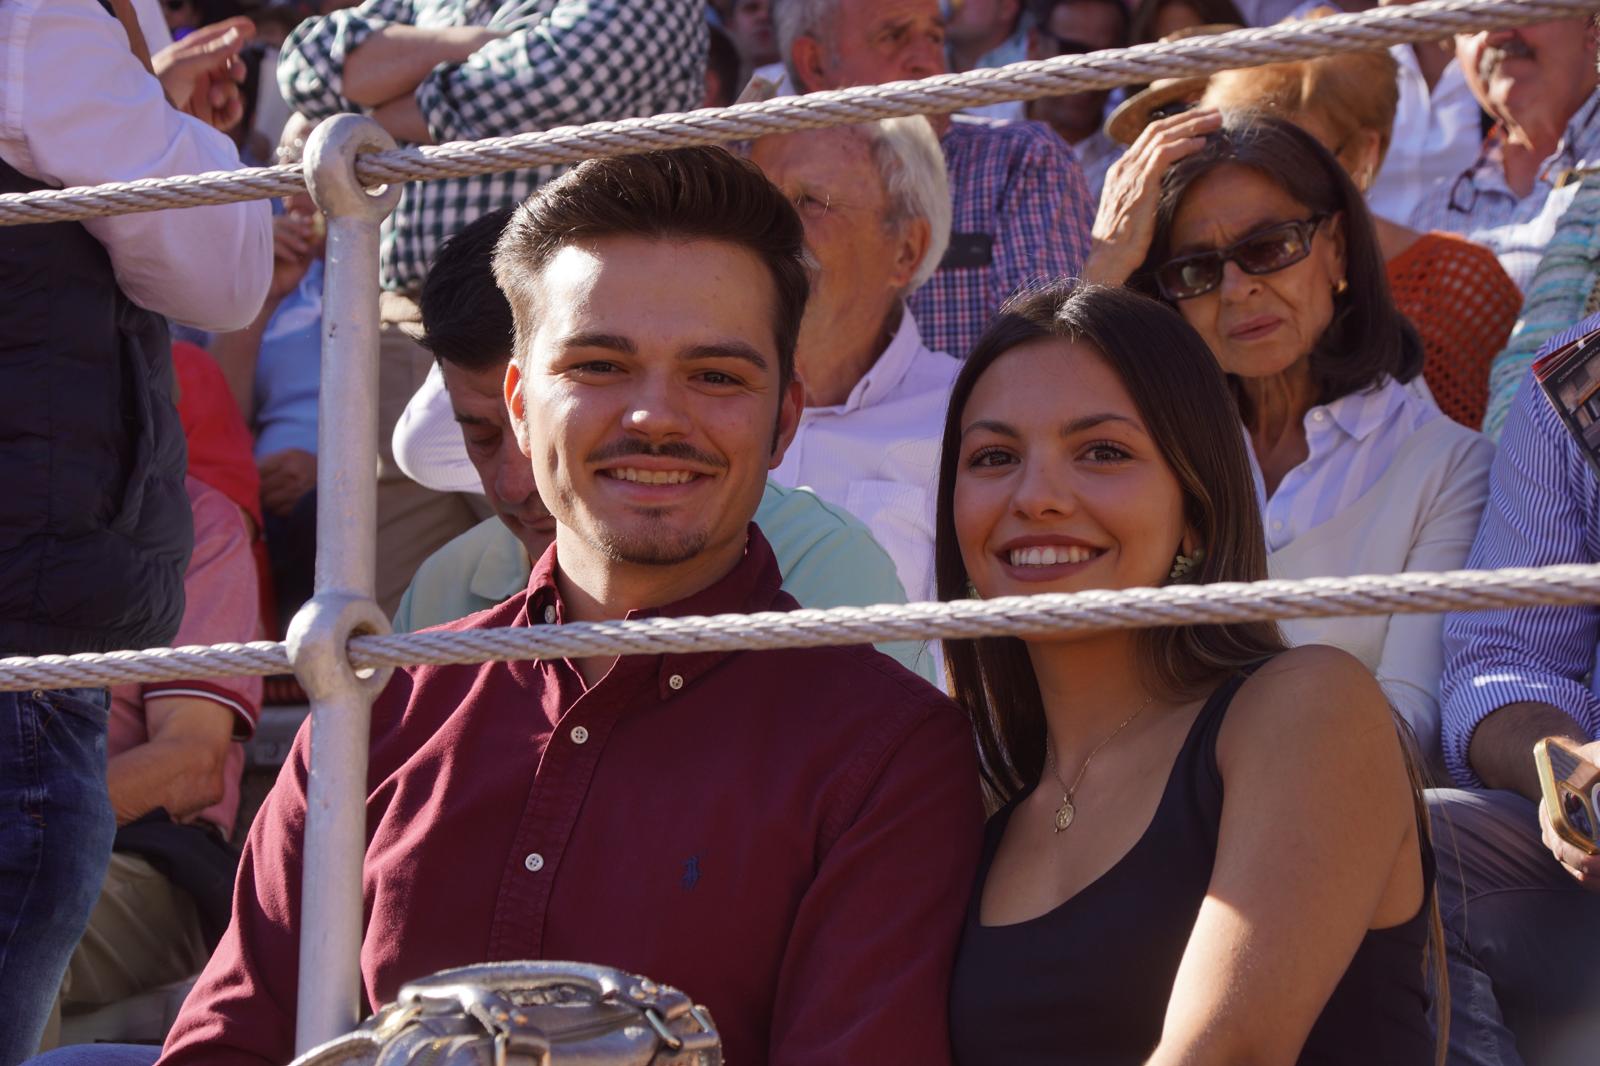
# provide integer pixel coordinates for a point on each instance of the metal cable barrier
(340, 646)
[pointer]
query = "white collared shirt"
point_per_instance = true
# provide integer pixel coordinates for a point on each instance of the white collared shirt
(1349, 443)
(77, 108)
(877, 454)
(1437, 134)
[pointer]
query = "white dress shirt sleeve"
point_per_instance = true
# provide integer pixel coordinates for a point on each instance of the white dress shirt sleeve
(76, 108)
(1413, 646)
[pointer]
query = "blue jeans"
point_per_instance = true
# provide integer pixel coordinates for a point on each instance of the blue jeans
(56, 827)
(1523, 939)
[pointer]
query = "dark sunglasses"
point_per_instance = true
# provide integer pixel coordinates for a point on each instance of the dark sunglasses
(1262, 252)
(1063, 46)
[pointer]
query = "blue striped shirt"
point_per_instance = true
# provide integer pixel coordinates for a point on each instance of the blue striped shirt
(1543, 509)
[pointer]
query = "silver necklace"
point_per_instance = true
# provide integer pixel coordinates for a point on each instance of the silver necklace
(1067, 812)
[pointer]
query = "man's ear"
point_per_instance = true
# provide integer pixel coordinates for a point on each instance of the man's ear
(915, 236)
(790, 404)
(516, 408)
(809, 61)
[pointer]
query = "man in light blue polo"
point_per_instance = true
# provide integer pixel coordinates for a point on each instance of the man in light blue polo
(456, 432)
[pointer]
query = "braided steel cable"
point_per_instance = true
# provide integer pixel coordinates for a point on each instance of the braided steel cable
(1377, 28)
(1015, 616)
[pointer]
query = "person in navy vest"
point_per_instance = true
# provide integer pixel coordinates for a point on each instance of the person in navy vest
(95, 530)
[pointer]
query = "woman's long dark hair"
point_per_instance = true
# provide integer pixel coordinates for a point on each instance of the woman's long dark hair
(1368, 338)
(1184, 402)
(1211, 12)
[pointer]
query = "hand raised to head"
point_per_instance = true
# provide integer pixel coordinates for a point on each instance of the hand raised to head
(1125, 224)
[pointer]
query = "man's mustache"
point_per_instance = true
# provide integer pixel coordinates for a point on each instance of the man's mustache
(622, 449)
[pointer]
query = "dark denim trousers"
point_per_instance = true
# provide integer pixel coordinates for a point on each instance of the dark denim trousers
(99, 1055)
(56, 827)
(1522, 937)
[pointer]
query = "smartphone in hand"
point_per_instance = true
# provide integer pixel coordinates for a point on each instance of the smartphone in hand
(1571, 787)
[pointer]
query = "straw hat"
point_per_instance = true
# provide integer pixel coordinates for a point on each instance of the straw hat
(1139, 110)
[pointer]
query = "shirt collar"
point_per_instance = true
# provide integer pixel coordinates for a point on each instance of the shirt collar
(754, 584)
(883, 377)
(502, 569)
(1578, 144)
(1360, 414)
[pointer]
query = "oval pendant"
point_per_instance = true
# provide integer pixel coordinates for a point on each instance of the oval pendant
(1064, 814)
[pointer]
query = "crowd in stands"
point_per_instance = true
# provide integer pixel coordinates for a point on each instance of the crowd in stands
(1278, 321)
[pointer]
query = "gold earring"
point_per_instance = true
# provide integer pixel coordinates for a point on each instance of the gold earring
(1182, 564)
(1340, 287)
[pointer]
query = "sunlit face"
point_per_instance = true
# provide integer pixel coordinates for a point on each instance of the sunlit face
(863, 263)
(648, 398)
(874, 41)
(478, 400)
(1535, 75)
(1257, 325)
(1059, 486)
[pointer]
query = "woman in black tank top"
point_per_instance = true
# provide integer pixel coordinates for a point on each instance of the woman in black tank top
(1209, 848)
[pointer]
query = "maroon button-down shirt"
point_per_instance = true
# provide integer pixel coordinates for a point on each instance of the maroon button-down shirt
(788, 836)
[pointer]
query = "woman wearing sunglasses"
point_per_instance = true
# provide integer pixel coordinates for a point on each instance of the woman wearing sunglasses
(1256, 234)
(1209, 849)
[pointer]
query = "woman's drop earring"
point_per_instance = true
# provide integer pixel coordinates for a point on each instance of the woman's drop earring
(1340, 287)
(972, 591)
(1182, 564)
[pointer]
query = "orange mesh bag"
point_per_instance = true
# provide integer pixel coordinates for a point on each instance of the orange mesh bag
(1463, 305)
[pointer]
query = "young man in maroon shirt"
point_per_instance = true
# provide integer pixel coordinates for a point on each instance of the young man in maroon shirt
(788, 836)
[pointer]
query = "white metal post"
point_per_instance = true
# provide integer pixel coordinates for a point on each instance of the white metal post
(341, 701)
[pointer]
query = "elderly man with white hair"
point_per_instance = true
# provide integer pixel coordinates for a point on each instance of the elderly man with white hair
(876, 208)
(1020, 208)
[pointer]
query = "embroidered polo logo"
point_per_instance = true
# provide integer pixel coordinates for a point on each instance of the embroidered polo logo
(691, 872)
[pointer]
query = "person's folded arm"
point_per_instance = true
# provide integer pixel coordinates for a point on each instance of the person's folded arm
(1536, 515)
(866, 975)
(581, 61)
(1413, 650)
(311, 63)
(109, 121)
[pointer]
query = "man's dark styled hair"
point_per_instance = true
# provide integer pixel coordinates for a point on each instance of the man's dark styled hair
(466, 319)
(1368, 338)
(686, 194)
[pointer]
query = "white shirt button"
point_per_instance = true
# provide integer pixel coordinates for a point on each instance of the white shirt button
(579, 735)
(1277, 525)
(1319, 416)
(675, 682)
(534, 862)
(550, 613)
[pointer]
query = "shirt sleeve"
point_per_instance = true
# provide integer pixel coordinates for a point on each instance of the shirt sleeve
(221, 601)
(914, 840)
(311, 62)
(241, 1011)
(1413, 654)
(1535, 516)
(72, 88)
(1045, 232)
(578, 62)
